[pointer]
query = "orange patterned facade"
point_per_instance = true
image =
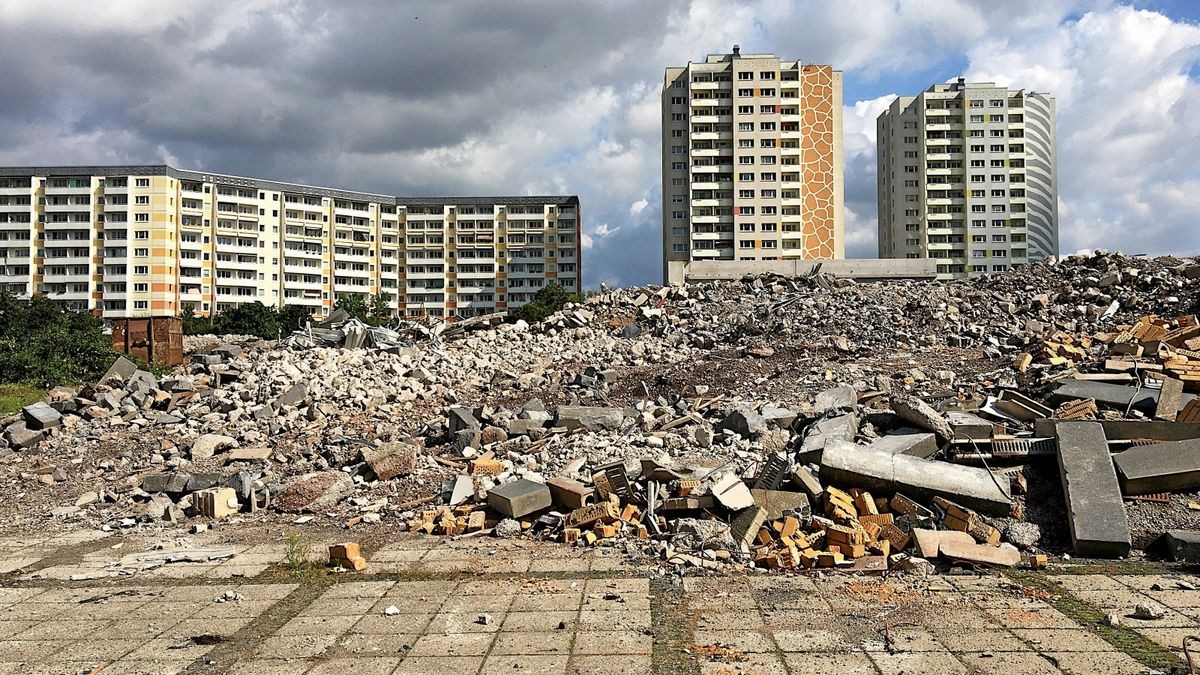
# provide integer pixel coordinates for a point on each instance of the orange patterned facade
(820, 166)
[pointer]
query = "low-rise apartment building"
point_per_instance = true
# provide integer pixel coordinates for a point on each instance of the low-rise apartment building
(151, 240)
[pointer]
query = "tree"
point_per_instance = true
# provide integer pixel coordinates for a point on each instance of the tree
(379, 312)
(354, 304)
(253, 318)
(545, 302)
(195, 325)
(293, 317)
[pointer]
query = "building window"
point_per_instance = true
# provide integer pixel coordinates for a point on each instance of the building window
(766, 110)
(745, 194)
(745, 210)
(141, 252)
(678, 166)
(676, 149)
(141, 304)
(745, 92)
(141, 217)
(141, 199)
(745, 126)
(766, 126)
(677, 133)
(977, 118)
(746, 76)
(679, 248)
(977, 104)
(678, 100)
(745, 176)
(745, 243)
(766, 76)
(141, 234)
(745, 227)
(141, 269)
(141, 288)
(678, 215)
(141, 182)
(976, 148)
(746, 159)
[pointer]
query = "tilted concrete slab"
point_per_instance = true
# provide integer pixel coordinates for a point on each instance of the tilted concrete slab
(1095, 513)
(846, 464)
(1114, 395)
(1159, 468)
(1126, 430)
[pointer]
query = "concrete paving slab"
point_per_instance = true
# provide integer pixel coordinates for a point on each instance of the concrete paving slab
(462, 644)
(533, 665)
(438, 665)
(557, 642)
(625, 664)
(853, 663)
(928, 663)
(1096, 663)
(270, 667)
(756, 664)
(747, 641)
(358, 666)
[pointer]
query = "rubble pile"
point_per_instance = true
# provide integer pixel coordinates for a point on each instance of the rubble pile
(768, 422)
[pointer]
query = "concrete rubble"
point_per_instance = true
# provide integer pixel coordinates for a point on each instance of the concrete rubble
(767, 423)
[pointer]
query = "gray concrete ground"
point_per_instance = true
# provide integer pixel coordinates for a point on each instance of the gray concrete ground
(483, 606)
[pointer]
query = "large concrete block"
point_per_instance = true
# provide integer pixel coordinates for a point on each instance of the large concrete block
(120, 371)
(843, 397)
(849, 465)
(921, 444)
(519, 498)
(41, 415)
(1182, 545)
(592, 418)
(1099, 528)
(1163, 467)
(1114, 395)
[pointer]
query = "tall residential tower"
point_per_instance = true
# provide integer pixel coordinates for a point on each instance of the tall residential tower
(967, 177)
(752, 161)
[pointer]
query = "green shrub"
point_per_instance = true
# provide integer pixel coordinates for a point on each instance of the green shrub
(373, 310)
(545, 302)
(44, 345)
(252, 318)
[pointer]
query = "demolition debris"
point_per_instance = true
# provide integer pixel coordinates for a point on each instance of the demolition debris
(768, 423)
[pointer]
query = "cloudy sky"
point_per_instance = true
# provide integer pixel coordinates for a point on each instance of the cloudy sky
(463, 97)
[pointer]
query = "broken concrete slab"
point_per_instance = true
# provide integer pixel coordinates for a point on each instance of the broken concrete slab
(1095, 513)
(119, 372)
(745, 423)
(848, 464)
(921, 444)
(173, 482)
(921, 415)
(1113, 395)
(391, 460)
(1004, 555)
(1169, 399)
(460, 419)
(294, 396)
(969, 426)
(746, 523)
(839, 428)
(1181, 545)
(315, 492)
(592, 418)
(1127, 430)
(1163, 467)
(840, 398)
(207, 445)
(41, 415)
(731, 492)
(929, 542)
(519, 498)
(20, 436)
(779, 502)
(807, 483)
(247, 455)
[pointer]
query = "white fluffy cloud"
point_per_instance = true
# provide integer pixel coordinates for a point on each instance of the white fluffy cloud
(523, 97)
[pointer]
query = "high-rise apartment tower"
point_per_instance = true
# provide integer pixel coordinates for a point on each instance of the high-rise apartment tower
(752, 161)
(966, 175)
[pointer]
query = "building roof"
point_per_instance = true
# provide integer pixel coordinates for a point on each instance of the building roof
(276, 186)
